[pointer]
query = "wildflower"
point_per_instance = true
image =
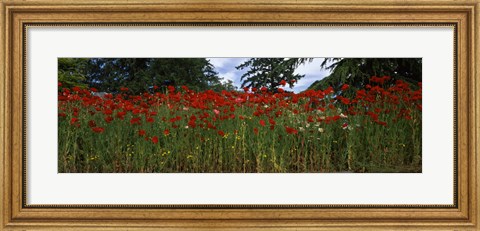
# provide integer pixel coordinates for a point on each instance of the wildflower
(141, 132)
(166, 132)
(155, 140)
(98, 129)
(291, 130)
(283, 82)
(92, 123)
(171, 89)
(271, 121)
(321, 130)
(73, 121)
(107, 112)
(255, 130)
(135, 120)
(345, 87)
(262, 123)
(221, 133)
(381, 123)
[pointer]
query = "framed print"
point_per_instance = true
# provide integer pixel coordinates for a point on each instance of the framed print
(296, 115)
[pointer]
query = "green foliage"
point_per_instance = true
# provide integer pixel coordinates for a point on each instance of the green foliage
(71, 72)
(195, 73)
(268, 72)
(138, 74)
(357, 71)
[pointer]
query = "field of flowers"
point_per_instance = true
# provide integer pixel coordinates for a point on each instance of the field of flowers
(171, 130)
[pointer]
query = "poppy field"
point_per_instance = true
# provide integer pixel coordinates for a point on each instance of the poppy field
(173, 129)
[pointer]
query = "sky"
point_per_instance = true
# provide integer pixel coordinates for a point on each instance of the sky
(226, 70)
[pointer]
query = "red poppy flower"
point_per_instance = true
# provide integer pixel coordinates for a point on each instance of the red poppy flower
(246, 89)
(291, 130)
(280, 90)
(255, 130)
(73, 121)
(192, 123)
(264, 89)
(108, 119)
(271, 121)
(121, 114)
(310, 119)
(166, 132)
(155, 140)
(221, 133)
(328, 90)
(123, 89)
(150, 120)
(92, 123)
(135, 120)
(345, 87)
(283, 82)
(107, 112)
(262, 123)
(98, 129)
(141, 132)
(381, 123)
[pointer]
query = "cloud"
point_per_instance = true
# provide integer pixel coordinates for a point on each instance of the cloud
(232, 75)
(219, 62)
(312, 73)
(226, 69)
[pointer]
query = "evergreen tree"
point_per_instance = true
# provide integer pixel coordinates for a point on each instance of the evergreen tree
(72, 72)
(356, 72)
(139, 74)
(269, 72)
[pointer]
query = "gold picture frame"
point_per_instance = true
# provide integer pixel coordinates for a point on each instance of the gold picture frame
(17, 15)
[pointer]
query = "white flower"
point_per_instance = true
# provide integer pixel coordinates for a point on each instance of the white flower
(301, 129)
(343, 116)
(307, 125)
(321, 130)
